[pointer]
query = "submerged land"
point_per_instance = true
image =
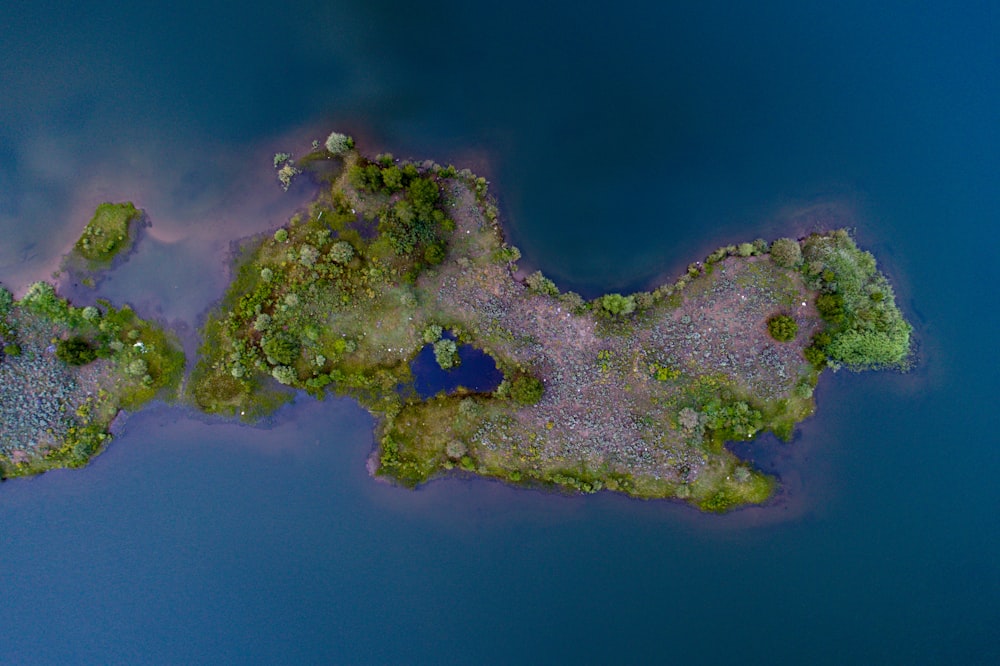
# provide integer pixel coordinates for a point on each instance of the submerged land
(635, 393)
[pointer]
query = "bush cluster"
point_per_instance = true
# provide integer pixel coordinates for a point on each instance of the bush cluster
(786, 252)
(782, 328)
(526, 389)
(865, 329)
(618, 305)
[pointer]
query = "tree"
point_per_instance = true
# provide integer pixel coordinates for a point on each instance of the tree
(618, 305)
(342, 252)
(338, 144)
(284, 374)
(446, 354)
(786, 252)
(281, 349)
(75, 351)
(782, 328)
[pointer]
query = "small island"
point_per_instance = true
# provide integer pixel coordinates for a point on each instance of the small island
(634, 393)
(397, 269)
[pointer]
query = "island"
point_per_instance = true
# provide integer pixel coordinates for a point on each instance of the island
(395, 286)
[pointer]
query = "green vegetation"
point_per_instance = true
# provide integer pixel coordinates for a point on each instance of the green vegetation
(635, 393)
(526, 390)
(864, 328)
(108, 233)
(617, 305)
(75, 351)
(68, 371)
(786, 252)
(782, 328)
(338, 144)
(391, 255)
(446, 354)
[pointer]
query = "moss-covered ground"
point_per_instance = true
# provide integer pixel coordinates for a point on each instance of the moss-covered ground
(634, 393)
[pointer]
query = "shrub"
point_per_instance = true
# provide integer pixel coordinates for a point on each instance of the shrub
(745, 249)
(262, 322)
(342, 252)
(831, 308)
(782, 328)
(308, 255)
(446, 354)
(286, 173)
(434, 254)
(815, 355)
(338, 143)
(281, 349)
(526, 389)
(6, 301)
(432, 333)
(786, 252)
(284, 374)
(618, 305)
(75, 351)
(281, 235)
(12, 349)
(540, 284)
(871, 349)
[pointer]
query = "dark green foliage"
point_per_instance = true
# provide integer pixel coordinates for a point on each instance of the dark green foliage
(526, 389)
(815, 355)
(866, 328)
(6, 301)
(831, 308)
(281, 349)
(75, 351)
(734, 420)
(782, 328)
(540, 284)
(416, 221)
(12, 349)
(366, 177)
(434, 254)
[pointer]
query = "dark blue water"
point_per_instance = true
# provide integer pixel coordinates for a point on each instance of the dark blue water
(624, 141)
(477, 372)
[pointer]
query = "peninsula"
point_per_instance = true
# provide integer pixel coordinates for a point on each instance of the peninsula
(394, 262)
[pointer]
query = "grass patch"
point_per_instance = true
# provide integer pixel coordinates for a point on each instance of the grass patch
(109, 232)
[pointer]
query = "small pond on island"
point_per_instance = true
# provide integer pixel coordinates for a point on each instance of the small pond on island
(477, 372)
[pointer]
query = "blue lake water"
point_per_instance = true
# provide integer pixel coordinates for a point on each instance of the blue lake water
(623, 141)
(477, 371)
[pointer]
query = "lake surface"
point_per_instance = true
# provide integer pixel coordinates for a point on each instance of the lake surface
(623, 143)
